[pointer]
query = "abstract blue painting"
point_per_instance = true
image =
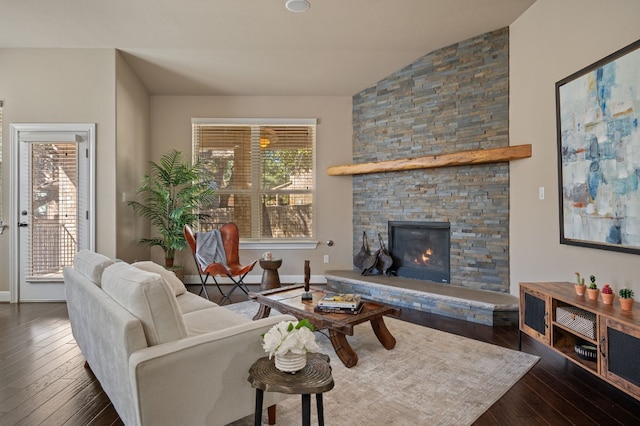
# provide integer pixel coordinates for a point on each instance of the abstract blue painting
(597, 110)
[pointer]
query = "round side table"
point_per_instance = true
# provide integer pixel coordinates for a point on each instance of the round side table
(315, 377)
(270, 279)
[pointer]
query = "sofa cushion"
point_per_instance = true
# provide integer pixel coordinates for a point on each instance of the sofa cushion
(168, 276)
(190, 302)
(212, 319)
(91, 265)
(148, 298)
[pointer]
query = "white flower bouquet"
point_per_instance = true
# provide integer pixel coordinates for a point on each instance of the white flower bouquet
(290, 337)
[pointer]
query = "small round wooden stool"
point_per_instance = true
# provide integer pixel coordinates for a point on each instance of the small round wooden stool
(270, 277)
(270, 280)
(315, 377)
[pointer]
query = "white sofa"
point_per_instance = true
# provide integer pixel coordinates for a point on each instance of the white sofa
(162, 358)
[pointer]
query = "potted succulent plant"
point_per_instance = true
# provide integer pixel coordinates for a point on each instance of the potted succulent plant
(170, 197)
(607, 294)
(593, 290)
(580, 287)
(626, 299)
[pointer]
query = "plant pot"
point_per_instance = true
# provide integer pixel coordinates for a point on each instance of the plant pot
(593, 293)
(607, 298)
(626, 304)
(290, 362)
(178, 270)
(580, 289)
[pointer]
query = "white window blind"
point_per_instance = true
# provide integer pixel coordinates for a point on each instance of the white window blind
(54, 205)
(264, 175)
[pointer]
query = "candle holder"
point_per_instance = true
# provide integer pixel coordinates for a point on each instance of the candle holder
(307, 275)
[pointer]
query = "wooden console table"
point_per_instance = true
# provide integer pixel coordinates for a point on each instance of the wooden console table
(616, 333)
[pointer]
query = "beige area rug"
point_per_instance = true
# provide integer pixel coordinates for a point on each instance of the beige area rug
(429, 378)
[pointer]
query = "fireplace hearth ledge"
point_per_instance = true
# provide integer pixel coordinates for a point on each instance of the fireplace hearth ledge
(478, 306)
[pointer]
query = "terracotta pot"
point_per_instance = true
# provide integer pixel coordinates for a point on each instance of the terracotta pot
(607, 298)
(593, 293)
(178, 270)
(626, 304)
(580, 289)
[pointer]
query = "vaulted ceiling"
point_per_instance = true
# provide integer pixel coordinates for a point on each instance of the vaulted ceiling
(255, 47)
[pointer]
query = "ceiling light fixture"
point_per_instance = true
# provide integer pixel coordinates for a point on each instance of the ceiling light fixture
(297, 5)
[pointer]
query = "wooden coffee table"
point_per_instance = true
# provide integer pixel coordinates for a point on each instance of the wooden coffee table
(288, 300)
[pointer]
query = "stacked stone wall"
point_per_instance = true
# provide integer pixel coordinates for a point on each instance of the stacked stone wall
(453, 99)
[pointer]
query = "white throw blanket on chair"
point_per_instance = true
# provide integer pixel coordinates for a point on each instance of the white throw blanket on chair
(210, 249)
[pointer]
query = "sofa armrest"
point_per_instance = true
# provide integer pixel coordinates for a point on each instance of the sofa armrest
(201, 380)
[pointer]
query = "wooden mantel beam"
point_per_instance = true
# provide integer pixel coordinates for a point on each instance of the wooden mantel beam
(462, 158)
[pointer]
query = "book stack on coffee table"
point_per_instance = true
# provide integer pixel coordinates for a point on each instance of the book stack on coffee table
(340, 304)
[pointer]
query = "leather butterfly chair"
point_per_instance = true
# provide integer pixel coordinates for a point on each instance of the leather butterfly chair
(234, 270)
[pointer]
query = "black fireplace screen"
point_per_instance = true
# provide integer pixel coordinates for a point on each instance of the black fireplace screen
(421, 250)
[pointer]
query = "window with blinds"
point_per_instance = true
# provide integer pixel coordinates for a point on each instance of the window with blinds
(263, 172)
(54, 207)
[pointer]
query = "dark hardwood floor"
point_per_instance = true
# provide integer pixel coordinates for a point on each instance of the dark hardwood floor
(43, 380)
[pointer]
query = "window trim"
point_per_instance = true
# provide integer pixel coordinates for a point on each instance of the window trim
(273, 243)
(252, 244)
(257, 121)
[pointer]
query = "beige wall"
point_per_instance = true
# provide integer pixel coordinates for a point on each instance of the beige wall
(58, 86)
(550, 41)
(132, 154)
(171, 128)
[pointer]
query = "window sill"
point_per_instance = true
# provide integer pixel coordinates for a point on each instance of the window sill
(278, 245)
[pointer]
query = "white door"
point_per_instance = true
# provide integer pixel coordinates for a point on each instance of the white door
(54, 205)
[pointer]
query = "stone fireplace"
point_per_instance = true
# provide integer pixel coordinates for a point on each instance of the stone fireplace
(451, 100)
(420, 250)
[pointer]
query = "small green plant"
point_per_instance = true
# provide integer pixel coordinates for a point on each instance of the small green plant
(607, 290)
(579, 281)
(593, 285)
(626, 293)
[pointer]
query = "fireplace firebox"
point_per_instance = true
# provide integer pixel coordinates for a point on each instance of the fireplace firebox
(421, 250)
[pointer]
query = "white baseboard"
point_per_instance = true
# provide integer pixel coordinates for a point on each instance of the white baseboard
(256, 279)
(5, 297)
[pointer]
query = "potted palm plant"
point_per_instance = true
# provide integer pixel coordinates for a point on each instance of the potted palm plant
(170, 197)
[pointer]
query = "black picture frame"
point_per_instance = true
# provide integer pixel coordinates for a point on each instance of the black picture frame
(598, 141)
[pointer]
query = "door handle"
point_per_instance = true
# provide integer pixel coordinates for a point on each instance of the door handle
(23, 224)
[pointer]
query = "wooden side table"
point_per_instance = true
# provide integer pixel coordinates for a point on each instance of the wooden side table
(315, 377)
(270, 277)
(270, 280)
